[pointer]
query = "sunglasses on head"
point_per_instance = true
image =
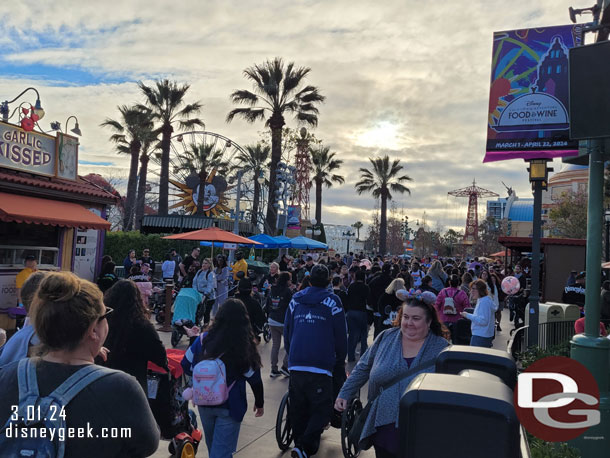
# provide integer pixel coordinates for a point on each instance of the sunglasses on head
(107, 313)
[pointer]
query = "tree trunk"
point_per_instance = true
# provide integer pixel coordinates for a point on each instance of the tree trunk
(141, 200)
(276, 123)
(318, 200)
(202, 182)
(164, 173)
(130, 199)
(383, 226)
(255, 201)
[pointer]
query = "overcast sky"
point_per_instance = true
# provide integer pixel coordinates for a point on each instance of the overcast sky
(405, 78)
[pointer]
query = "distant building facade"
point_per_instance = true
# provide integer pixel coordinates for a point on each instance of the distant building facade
(338, 242)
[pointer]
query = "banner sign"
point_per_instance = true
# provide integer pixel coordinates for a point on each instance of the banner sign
(38, 153)
(294, 217)
(529, 97)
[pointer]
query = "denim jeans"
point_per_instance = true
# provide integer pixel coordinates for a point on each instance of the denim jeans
(276, 337)
(478, 341)
(221, 431)
(357, 332)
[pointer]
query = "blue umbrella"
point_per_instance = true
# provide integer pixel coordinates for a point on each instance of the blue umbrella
(304, 243)
(269, 242)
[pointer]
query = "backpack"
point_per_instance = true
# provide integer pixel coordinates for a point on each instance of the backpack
(210, 382)
(449, 305)
(43, 413)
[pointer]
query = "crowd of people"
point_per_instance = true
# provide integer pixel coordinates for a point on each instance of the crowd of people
(323, 310)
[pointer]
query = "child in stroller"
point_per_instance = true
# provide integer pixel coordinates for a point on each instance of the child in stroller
(189, 308)
(177, 423)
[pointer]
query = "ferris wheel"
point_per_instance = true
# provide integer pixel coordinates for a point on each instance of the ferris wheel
(216, 156)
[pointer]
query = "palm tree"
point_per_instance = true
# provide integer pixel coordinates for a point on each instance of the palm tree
(358, 225)
(142, 185)
(166, 101)
(381, 182)
(255, 159)
(324, 163)
(278, 89)
(200, 160)
(133, 128)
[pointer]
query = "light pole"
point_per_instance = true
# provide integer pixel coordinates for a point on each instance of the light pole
(261, 183)
(348, 234)
(538, 175)
(314, 229)
(589, 348)
(4, 109)
(607, 218)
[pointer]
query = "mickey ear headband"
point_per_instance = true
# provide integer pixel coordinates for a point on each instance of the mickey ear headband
(414, 294)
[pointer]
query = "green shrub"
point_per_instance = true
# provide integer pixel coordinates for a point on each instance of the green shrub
(118, 245)
(531, 355)
(542, 449)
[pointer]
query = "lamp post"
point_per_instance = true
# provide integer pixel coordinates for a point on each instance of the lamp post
(538, 175)
(57, 126)
(38, 110)
(314, 229)
(607, 218)
(348, 234)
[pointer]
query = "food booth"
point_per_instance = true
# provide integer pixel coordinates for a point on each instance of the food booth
(46, 209)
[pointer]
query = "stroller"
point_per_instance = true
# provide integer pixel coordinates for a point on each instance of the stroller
(189, 308)
(178, 424)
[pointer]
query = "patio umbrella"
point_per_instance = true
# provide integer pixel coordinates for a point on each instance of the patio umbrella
(270, 242)
(214, 235)
(304, 243)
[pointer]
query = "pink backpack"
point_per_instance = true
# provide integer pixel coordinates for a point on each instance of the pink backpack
(210, 383)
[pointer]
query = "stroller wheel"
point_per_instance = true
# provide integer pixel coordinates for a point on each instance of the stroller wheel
(266, 332)
(171, 448)
(160, 316)
(175, 338)
(185, 449)
(350, 449)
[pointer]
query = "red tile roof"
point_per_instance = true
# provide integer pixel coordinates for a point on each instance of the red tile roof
(80, 186)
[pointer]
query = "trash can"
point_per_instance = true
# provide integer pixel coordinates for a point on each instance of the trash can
(456, 358)
(476, 416)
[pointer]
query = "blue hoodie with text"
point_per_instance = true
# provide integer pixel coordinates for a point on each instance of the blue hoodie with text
(315, 331)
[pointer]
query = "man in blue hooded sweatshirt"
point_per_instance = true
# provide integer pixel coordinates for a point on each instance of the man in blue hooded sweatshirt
(315, 338)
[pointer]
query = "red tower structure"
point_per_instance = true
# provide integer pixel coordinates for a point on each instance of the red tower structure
(303, 166)
(472, 218)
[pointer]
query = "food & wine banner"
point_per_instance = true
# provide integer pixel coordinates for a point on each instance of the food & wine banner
(528, 115)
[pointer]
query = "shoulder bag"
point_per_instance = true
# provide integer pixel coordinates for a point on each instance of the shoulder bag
(358, 426)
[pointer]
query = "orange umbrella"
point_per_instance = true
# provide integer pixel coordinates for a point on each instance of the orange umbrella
(212, 234)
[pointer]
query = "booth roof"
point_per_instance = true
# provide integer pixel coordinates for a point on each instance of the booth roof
(80, 186)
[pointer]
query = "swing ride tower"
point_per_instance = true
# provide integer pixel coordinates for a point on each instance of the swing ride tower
(471, 234)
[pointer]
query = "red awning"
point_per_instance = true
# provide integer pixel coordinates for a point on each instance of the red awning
(34, 210)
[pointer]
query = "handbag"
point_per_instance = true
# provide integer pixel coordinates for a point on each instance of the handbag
(358, 425)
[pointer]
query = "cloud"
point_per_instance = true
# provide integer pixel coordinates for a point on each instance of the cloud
(422, 70)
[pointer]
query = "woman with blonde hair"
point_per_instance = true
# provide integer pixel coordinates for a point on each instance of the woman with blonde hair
(438, 276)
(70, 319)
(388, 305)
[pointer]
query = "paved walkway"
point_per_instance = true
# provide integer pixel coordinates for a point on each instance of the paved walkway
(257, 435)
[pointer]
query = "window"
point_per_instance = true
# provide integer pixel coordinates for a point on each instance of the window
(12, 256)
(558, 70)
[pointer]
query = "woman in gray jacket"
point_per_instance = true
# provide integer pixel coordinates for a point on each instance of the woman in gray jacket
(415, 339)
(205, 283)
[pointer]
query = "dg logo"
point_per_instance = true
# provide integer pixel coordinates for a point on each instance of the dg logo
(557, 399)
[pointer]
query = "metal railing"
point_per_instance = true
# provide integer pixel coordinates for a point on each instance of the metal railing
(549, 334)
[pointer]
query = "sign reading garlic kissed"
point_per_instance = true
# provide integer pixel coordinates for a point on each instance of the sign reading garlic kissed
(29, 151)
(528, 116)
